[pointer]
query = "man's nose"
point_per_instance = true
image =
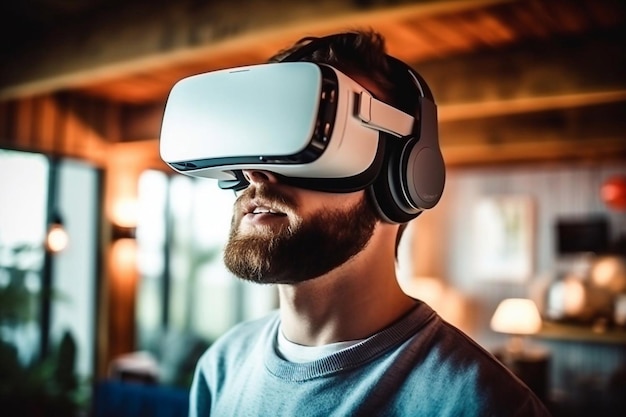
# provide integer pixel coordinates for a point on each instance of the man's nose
(256, 176)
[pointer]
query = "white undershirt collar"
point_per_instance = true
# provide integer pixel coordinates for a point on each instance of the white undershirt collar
(296, 353)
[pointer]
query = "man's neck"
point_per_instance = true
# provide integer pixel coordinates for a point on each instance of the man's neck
(351, 302)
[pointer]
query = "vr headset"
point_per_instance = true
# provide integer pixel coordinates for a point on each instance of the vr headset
(312, 126)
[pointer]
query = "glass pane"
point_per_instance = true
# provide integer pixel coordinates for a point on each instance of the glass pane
(23, 205)
(182, 251)
(215, 298)
(74, 269)
(151, 235)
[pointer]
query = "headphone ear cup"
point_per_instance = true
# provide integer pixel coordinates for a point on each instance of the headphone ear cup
(387, 193)
(413, 176)
(411, 179)
(423, 168)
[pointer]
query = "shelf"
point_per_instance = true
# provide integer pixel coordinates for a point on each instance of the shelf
(581, 333)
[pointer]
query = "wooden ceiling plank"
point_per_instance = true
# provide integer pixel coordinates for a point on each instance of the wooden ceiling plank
(407, 43)
(453, 30)
(492, 30)
(496, 108)
(570, 15)
(606, 13)
(103, 54)
(557, 150)
(527, 22)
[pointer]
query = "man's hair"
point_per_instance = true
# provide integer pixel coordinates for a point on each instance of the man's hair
(360, 53)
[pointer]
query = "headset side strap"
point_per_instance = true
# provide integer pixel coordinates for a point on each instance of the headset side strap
(383, 117)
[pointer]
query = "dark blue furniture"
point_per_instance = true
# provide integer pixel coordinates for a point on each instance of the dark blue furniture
(128, 399)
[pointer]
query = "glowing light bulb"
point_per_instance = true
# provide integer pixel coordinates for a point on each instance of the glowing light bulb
(57, 238)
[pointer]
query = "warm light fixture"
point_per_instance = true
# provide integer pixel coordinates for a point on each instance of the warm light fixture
(124, 219)
(121, 232)
(124, 213)
(609, 272)
(124, 258)
(517, 317)
(57, 238)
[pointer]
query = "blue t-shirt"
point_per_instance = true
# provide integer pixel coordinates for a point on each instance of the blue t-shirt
(418, 366)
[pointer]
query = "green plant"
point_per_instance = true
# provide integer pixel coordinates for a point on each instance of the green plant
(44, 386)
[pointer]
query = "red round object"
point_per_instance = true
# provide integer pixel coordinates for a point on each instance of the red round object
(613, 192)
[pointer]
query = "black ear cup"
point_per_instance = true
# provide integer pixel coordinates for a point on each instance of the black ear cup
(423, 168)
(387, 191)
(413, 176)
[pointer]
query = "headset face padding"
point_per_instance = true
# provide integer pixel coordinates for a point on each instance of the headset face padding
(412, 176)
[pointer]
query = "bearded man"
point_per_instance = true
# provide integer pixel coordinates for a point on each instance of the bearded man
(346, 340)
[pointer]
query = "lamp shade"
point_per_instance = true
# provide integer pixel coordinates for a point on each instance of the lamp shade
(516, 316)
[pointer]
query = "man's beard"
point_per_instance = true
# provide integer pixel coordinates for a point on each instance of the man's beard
(302, 251)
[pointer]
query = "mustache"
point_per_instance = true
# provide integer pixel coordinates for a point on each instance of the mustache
(268, 194)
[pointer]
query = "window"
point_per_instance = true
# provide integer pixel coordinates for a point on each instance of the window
(181, 232)
(26, 194)
(22, 230)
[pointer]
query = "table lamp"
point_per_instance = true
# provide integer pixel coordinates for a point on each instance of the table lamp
(517, 317)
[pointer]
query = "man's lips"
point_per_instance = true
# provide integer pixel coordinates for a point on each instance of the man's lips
(266, 210)
(262, 211)
(256, 206)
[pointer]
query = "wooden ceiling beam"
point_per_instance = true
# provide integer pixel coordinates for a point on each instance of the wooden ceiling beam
(480, 154)
(139, 39)
(570, 69)
(499, 108)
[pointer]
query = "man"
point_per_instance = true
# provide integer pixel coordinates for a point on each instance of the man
(346, 341)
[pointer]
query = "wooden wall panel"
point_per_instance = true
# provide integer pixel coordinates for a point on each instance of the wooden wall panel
(47, 119)
(60, 124)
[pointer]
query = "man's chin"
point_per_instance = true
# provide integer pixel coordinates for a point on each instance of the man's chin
(255, 230)
(261, 230)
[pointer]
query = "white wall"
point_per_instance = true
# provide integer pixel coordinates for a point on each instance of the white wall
(443, 239)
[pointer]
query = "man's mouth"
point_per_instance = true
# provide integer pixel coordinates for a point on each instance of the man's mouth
(262, 215)
(257, 207)
(267, 210)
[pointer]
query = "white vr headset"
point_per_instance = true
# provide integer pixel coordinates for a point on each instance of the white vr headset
(308, 123)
